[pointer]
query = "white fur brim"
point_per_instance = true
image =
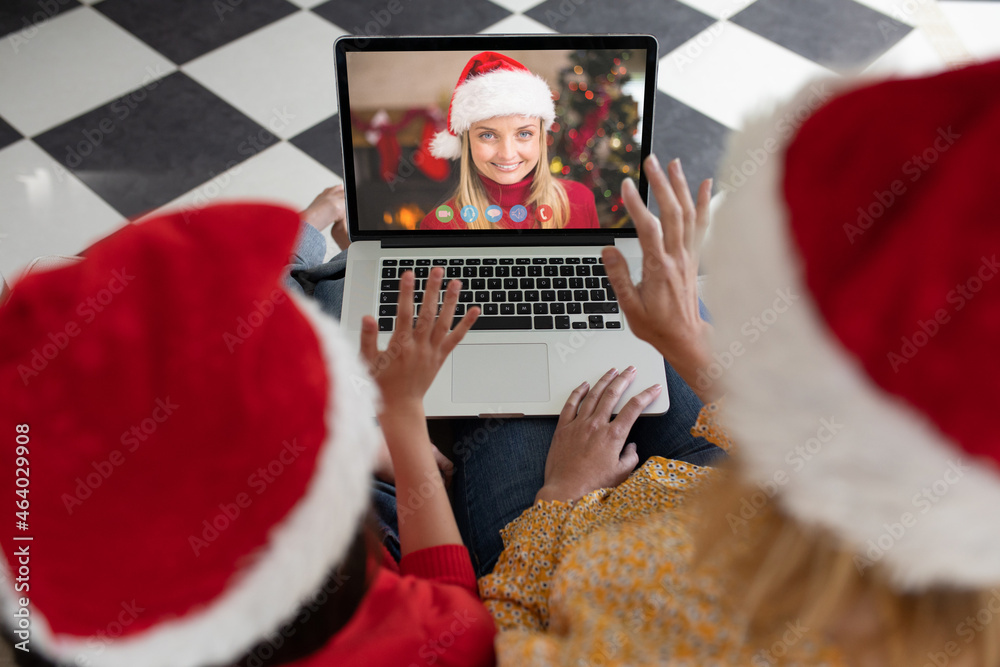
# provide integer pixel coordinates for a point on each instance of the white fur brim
(303, 549)
(876, 472)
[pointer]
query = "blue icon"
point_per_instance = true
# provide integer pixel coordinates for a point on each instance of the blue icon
(470, 213)
(494, 213)
(518, 213)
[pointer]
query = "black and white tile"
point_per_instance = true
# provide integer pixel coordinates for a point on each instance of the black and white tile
(152, 145)
(412, 17)
(8, 135)
(853, 34)
(184, 29)
(184, 102)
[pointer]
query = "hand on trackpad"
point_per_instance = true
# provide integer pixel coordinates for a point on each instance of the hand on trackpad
(500, 373)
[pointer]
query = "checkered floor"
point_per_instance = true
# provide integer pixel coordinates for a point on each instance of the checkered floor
(113, 108)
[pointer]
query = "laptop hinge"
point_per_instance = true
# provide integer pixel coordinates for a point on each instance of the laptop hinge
(505, 241)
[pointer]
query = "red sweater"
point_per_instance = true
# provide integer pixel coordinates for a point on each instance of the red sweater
(582, 209)
(426, 611)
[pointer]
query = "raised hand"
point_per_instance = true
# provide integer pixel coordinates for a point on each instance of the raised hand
(662, 308)
(405, 370)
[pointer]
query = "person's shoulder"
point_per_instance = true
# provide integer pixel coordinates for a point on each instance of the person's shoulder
(573, 188)
(382, 628)
(583, 206)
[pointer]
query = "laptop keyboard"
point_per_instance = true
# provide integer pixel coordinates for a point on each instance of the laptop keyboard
(513, 293)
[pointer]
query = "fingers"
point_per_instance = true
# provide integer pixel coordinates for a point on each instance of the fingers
(404, 314)
(671, 213)
(609, 399)
(569, 410)
(340, 235)
(456, 336)
(675, 171)
(444, 464)
(628, 459)
(702, 216)
(447, 316)
(429, 309)
(369, 339)
(634, 407)
(621, 281)
(647, 228)
(589, 403)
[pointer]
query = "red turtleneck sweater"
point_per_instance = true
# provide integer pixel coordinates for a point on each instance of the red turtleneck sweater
(424, 611)
(582, 210)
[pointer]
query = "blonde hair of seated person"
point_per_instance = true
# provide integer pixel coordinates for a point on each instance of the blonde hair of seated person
(784, 572)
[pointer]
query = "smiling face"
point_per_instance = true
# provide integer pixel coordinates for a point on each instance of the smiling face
(506, 148)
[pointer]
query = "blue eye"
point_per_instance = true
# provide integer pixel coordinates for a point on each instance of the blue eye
(486, 135)
(526, 134)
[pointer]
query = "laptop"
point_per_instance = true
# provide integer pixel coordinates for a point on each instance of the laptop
(500, 159)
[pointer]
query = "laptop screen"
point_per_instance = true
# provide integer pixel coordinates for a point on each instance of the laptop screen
(525, 135)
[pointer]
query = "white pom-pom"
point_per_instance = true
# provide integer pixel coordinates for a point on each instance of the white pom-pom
(446, 146)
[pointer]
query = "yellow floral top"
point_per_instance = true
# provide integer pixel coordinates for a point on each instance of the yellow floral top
(608, 580)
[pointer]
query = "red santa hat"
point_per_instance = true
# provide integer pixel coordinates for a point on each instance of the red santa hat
(492, 85)
(856, 297)
(197, 445)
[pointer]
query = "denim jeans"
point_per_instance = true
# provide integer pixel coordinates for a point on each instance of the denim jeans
(500, 464)
(384, 509)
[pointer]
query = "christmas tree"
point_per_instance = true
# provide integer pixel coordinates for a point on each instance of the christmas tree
(594, 140)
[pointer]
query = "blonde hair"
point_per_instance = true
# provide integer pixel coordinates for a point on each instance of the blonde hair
(544, 188)
(782, 571)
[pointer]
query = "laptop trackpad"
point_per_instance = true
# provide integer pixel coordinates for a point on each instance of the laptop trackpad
(508, 373)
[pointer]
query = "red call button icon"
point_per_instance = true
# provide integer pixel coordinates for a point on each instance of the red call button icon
(544, 213)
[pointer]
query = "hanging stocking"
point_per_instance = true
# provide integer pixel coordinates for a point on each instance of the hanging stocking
(383, 136)
(435, 168)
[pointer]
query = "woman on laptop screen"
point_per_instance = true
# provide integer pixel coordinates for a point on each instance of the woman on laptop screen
(498, 122)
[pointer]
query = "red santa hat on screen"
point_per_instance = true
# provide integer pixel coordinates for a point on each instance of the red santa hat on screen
(855, 263)
(198, 441)
(492, 85)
